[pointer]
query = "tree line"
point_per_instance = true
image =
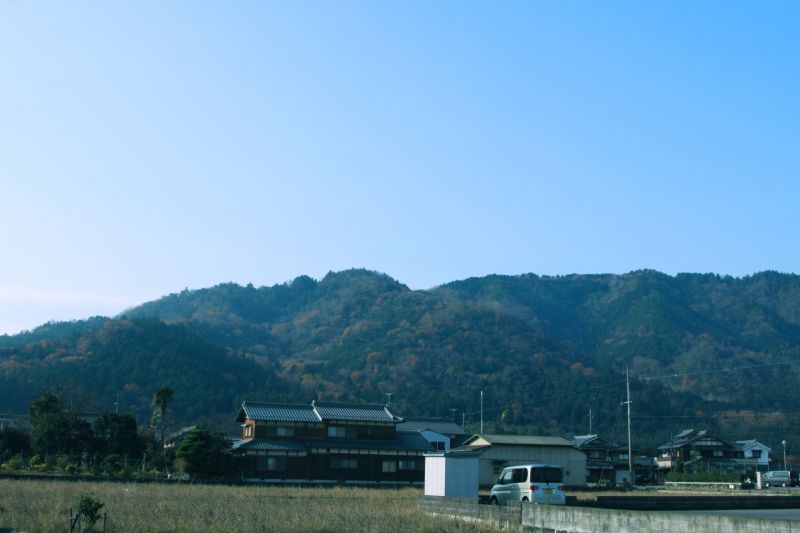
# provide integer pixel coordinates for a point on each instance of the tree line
(61, 439)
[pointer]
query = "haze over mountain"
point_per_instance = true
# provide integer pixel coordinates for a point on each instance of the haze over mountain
(705, 351)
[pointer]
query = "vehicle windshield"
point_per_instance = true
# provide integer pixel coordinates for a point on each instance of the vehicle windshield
(546, 474)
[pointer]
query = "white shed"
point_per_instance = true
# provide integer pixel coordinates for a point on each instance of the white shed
(452, 474)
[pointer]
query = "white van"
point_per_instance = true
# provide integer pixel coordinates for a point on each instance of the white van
(537, 483)
(780, 478)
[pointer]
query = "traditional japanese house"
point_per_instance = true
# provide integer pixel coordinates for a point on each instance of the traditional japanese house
(327, 442)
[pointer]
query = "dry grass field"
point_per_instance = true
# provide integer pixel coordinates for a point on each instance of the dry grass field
(36, 506)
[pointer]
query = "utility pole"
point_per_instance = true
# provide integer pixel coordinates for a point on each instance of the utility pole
(453, 412)
(590, 421)
(463, 419)
(630, 449)
(481, 411)
(116, 405)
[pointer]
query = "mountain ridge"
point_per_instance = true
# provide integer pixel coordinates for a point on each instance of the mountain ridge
(355, 335)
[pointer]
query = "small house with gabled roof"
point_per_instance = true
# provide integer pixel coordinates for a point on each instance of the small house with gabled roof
(442, 426)
(752, 455)
(327, 442)
(499, 451)
(600, 459)
(693, 451)
(607, 462)
(442, 433)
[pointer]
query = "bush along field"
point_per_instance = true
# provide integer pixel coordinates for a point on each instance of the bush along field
(40, 506)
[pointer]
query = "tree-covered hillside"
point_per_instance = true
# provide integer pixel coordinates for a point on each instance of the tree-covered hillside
(705, 351)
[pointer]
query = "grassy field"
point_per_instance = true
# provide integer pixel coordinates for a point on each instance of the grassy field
(35, 506)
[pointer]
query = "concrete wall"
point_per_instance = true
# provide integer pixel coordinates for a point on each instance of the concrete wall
(508, 518)
(583, 520)
(569, 519)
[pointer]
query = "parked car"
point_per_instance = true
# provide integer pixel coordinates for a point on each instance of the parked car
(780, 478)
(535, 483)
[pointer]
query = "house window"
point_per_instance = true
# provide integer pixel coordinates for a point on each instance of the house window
(275, 464)
(248, 431)
(389, 466)
(756, 454)
(283, 431)
(337, 432)
(344, 463)
(407, 464)
(623, 456)
(717, 453)
(271, 464)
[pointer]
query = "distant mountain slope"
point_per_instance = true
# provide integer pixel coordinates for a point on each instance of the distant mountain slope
(544, 349)
(131, 358)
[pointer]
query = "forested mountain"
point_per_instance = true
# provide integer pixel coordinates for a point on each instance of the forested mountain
(705, 351)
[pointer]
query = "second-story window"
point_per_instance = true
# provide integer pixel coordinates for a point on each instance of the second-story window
(248, 431)
(337, 432)
(283, 431)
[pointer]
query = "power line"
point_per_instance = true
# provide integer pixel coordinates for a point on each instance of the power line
(643, 379)
(546, 398)
(718, 371)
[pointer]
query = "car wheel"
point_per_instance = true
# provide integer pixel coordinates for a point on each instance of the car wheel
(493, 501)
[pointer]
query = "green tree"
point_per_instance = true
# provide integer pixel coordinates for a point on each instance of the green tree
(12, 442)
(118, 434)
(203, 453)
(50, 426)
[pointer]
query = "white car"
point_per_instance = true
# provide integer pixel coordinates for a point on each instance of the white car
(536, 483)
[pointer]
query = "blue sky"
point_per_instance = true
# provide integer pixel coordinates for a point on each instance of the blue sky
(150, 146)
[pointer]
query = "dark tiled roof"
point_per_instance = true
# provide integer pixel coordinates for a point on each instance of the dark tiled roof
(593, 441)
(439, 425)
(688, 436)
(412, 441)
(353, 412)
(277, 412)
(582, 440)
(270, 445)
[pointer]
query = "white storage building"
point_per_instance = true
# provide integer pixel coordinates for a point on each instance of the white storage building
(451, 474)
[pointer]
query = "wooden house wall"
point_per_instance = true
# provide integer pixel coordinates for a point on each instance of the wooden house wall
(318, 467)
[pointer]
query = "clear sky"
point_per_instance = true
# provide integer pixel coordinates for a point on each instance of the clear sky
(149, 146)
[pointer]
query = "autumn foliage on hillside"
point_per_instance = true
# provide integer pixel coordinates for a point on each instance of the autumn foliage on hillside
(701, 349)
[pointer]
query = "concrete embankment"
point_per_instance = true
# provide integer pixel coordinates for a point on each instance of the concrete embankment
(592, 518)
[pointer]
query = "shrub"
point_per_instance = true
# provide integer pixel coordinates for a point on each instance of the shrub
(89, 508)
(16, 462)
